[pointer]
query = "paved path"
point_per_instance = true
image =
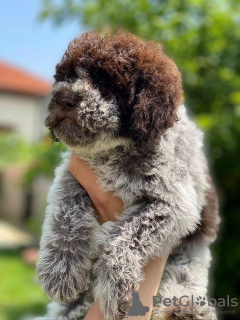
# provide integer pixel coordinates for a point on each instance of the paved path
(12, 237)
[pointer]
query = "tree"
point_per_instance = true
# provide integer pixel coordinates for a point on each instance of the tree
(203, 37)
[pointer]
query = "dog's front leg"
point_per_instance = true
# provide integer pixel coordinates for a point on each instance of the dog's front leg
(144, 232)
(64, 262)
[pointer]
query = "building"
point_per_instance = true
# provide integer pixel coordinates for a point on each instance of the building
(23, 102)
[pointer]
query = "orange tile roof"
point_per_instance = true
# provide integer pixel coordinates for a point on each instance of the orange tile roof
(16, 80)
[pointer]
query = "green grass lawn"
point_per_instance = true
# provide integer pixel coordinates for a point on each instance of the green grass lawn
(20, 294)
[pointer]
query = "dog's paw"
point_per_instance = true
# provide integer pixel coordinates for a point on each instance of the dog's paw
(63, 274)
(114, 295)
(63, 288)
(62, 280)
(116, 280)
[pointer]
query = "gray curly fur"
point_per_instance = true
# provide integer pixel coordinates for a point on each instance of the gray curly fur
(165, 194)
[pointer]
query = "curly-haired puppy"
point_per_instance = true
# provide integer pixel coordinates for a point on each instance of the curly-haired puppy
(117, 102)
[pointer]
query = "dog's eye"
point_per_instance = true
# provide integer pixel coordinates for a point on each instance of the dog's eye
(65, 75)
(59, 76)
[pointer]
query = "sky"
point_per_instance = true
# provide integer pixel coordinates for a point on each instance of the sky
(29, 43)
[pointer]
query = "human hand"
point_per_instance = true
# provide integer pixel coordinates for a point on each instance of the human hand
(105, 203)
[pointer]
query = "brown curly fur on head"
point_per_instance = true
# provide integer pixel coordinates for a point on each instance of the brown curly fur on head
(145, 83)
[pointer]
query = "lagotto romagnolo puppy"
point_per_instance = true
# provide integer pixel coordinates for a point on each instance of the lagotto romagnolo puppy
(117, 103)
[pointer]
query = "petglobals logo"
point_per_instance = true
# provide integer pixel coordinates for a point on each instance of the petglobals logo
(136, 309)
(186, 301)
(189, 303)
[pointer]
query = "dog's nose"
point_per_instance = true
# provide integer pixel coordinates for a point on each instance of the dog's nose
(68, 102)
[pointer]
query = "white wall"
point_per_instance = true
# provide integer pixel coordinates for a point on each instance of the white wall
(23, 114)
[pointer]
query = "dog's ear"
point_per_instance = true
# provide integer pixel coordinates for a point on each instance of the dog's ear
(157, 97)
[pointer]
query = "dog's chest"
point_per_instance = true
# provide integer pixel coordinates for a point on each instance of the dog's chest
(120, 171)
